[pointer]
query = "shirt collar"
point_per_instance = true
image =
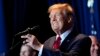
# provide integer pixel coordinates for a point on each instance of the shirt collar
(64, 35)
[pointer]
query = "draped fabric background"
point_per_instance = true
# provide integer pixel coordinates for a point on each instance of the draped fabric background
(17, 15)
(2, 29)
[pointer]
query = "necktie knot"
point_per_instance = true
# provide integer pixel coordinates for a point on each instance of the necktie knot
(59, 38)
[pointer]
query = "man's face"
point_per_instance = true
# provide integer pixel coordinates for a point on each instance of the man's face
(25, 51)
(57, 20)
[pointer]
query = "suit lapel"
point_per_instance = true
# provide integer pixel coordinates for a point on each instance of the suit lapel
(65, 44)
(49, 43)
(52, 41)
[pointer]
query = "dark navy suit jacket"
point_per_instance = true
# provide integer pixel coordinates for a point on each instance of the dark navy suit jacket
(74, 45)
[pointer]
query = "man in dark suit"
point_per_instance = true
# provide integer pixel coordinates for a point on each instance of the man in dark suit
(67, 42)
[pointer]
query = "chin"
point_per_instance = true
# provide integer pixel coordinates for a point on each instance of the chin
(56, 30)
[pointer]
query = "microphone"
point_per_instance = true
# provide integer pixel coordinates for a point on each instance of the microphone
(27, 30)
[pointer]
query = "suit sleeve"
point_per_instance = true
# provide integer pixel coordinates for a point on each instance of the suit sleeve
(80, 47)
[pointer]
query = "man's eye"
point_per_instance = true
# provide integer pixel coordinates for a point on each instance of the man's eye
(58, 16)
(50, 16)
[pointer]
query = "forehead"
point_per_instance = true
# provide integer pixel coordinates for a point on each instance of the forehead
(55, 11)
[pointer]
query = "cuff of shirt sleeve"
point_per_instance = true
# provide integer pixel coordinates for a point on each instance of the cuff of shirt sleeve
(40, 51)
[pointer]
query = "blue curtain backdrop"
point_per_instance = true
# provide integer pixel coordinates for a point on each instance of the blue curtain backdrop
(2, 29)
(83, 15)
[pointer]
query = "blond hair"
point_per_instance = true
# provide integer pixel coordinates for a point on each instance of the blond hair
(61, 6)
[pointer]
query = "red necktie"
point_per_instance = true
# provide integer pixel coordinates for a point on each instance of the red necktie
(57, 43)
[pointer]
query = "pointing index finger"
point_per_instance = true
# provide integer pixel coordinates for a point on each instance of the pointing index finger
(24, 37)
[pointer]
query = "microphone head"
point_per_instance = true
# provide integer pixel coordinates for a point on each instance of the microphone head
(34, 27)
(29, 30)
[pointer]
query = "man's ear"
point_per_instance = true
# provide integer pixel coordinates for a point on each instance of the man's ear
(69, 20)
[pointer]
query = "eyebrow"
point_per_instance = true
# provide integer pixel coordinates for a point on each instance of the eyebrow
(58, 13)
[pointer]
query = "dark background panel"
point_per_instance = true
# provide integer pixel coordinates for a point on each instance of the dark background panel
(21, 14)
